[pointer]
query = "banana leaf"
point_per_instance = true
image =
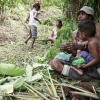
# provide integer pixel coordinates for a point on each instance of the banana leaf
(16, 83)
(11, 70)
(6, 88)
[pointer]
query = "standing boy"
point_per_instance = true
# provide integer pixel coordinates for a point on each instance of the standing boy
(32, 18)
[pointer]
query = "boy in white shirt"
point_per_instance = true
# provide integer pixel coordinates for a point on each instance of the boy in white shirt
(32, 18)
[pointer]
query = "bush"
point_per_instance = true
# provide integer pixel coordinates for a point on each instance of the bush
(47, 22)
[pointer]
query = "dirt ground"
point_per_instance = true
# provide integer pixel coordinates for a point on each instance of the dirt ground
(14, 31)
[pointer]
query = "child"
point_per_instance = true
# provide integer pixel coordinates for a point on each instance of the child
(32, 18)
(53, 36)
(87, 31)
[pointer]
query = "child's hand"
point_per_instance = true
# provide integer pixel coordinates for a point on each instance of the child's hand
(85, 44)
(83, 65)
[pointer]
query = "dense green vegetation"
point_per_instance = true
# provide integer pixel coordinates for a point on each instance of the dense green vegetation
(38, 83)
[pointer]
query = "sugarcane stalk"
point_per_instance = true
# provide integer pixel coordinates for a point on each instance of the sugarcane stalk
(52, 85)
(64, 98)
(27, 85)
(86, 94)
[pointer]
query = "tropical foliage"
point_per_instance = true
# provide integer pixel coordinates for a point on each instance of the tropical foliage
(67, 6)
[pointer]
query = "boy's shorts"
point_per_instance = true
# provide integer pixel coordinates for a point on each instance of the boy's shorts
(33, 31)
(88, 58)
(86, 55)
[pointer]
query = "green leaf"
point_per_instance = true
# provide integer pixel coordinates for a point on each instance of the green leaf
(16, 83)
(6, 88)
(29, 73)
(37, 76)
(10, 69)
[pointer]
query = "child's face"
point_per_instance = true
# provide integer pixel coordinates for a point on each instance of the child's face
(82, 35)
(57, 23)
(37, 8)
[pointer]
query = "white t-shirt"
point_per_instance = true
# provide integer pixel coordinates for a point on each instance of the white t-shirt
(55, 33)
(32, 21)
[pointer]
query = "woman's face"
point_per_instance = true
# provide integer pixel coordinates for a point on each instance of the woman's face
(83, 16)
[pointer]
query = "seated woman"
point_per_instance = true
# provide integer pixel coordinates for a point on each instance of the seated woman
(53, 36)
(90, 70)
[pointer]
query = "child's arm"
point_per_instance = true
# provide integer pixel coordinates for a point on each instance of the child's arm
(52, 34)
(94, 50)
(35, 17)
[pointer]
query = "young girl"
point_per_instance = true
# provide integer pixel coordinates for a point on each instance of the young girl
(53, 36)
(32, 18)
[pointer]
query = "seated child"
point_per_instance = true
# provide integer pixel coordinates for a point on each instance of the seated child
(87, 32)
(83, 58)
(53, 36)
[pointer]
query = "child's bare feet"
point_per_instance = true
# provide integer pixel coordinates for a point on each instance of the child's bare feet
(32, 47)
(45, 41)
(79, 71)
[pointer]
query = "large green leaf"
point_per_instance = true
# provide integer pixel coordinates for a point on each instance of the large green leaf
(16, 83)
(10, 69)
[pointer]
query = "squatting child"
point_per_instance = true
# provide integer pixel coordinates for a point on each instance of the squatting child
(53, 36)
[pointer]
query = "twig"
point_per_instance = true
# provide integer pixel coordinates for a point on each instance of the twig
(20, 96)
(47, 86)
(86, 94)
(52, 85)
(94, 90)
(31, 91)
(64, 98)
(27, 85)
(52, 79)
(82, 91)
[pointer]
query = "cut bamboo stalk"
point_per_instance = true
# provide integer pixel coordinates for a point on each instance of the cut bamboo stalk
(27, 85)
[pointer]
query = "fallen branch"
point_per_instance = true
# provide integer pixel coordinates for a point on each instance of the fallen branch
(85, 94)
